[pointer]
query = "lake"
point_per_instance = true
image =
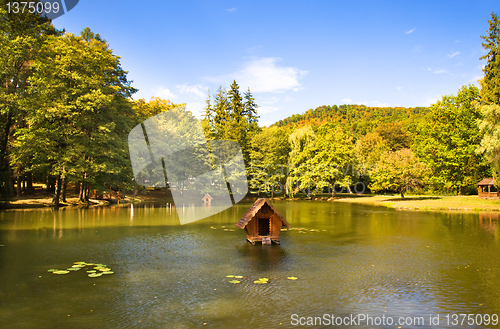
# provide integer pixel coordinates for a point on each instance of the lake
(365, 260)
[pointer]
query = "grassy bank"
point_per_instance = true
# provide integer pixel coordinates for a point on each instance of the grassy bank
(446, 203)
(424, 202)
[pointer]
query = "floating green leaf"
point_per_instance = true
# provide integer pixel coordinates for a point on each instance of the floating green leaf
(238, 276)
(230, 276)
(60, 272)
(94, 275)
(91, 271)
(234, 281)
(260, 282)
(291, 278)
(52, 270)
(108, 272)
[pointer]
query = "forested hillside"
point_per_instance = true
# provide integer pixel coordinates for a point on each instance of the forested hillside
(357, 117)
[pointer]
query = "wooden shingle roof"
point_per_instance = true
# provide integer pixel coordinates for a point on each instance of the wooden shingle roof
(487, 181)
(254, 209)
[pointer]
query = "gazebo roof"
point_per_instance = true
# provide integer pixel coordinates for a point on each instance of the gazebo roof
(254, 209)
(486, 182)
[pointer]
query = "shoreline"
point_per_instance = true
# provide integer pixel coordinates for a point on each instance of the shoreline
(466, 203)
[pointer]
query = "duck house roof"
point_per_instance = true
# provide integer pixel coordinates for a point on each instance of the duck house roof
(253, 211)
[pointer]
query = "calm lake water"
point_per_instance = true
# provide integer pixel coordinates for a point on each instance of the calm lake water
(369, 260)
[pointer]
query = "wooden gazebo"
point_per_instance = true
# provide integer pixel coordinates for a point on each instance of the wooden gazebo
(262, 223)
(486, 189)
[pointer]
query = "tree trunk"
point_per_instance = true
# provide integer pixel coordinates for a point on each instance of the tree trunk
(57, 193)
(402, 195)
(77, 188)
(18, 184)
(80, 194)
(29, 183)
(63, 192)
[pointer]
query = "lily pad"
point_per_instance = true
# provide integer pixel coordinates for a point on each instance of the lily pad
(291, 278)
(60, 272)
(230, 276)
(234, 281)
(238, 276)
(73, 269)
(94, 275)
(52, 270)
(263, 279)
(108, 272)
(260, 282)
(104, 269)
(79, 263)
(91, 271)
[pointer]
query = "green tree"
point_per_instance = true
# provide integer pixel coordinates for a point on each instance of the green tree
(489, 126)
(490, 84)
(21, 37)
(399, 171)
(489, 123)
(447, 139)
(269, 150)
(79, 116)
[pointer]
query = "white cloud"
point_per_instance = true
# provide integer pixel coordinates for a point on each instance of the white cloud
(267, 109)
(453, 54)
(289, 99)
(196, 108)
(198, 90)
(475, 79)
(271, 100)
(346, 100)
(440, 71)
(231, 9)
(410, 31)
(164, 93)
(399, 88)
(264, 75)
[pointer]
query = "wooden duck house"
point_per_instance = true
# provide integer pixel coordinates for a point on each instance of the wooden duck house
(262, 223)
(207, 199)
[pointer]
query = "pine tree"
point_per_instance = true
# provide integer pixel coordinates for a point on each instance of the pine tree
(489, 123)
(250, 111)
(490, 84)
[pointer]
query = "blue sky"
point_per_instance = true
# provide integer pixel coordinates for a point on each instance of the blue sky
(294, 55)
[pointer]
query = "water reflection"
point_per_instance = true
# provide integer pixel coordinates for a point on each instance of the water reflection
(367, 260)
